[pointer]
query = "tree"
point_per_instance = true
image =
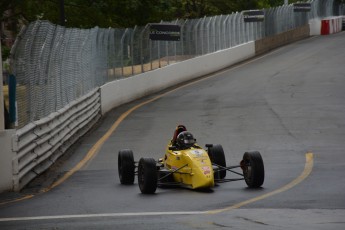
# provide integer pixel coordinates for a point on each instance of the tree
(124, 13)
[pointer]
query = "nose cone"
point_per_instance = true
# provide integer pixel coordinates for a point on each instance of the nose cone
(203, 175)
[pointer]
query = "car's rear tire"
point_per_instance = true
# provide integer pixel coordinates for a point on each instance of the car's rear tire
(147, 175)
(253, 169)
(126, 166)
(217, 156)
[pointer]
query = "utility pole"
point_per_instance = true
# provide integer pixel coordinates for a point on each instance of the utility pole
(62, 12)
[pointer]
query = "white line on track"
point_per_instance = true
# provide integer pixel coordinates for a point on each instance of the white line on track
(101, 215)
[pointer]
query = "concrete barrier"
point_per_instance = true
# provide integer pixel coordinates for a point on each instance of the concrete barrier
(6, 157)
(125, 90)
(326, 26)
(266, 44)
(315, 26)
(331, 25)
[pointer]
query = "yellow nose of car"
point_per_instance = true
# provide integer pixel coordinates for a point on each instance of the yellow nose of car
(195, 168)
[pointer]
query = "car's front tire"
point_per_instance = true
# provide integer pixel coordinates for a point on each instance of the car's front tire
(253, 169)
(147, 175)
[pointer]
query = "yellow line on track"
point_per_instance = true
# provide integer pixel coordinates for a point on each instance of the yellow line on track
(17, 200)
(306, 172)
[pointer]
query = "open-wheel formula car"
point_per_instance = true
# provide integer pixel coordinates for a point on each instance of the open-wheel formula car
(186, 164)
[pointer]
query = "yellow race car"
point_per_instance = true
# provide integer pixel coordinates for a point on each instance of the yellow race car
(186, 164)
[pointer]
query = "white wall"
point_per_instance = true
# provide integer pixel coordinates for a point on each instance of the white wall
(125, 90)
(6, 156)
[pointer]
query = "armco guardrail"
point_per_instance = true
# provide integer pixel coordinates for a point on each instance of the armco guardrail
(39, 144)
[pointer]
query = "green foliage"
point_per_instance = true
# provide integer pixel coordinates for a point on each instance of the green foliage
(125, 13)
(5, 52)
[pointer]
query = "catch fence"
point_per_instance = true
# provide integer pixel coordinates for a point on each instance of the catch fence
(55, 65)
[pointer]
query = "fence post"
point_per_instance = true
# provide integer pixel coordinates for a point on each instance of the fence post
(182, 38)
(2, 117)
(214, 32)
(141, 49)
(132, 48)
(208, 34)
(122, 39)
(150, 44)
(225, 44)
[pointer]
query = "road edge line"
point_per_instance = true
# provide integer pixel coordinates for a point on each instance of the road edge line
(308, 168)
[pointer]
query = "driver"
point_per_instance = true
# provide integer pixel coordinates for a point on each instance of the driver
(185, 140)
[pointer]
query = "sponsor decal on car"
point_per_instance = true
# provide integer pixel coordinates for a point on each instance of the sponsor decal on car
(206, 170)
(197, 153)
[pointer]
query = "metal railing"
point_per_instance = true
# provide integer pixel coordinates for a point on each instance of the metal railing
(37, 146)
(55, 65)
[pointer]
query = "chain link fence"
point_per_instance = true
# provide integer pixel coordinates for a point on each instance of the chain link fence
(341, 10)
(56, 65)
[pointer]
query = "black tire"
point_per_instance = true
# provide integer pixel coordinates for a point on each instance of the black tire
(126, 166)
(253, 169)
(216, 154)
(147, 175)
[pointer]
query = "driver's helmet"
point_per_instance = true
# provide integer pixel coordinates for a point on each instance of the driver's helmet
(185, 140)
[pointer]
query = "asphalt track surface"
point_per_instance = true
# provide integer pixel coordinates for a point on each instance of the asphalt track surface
(288, 104)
